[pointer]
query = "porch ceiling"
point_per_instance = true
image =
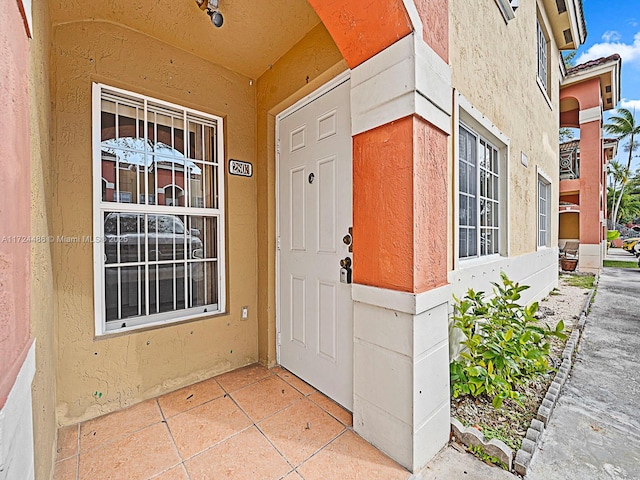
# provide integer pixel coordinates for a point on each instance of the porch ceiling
(254, 35)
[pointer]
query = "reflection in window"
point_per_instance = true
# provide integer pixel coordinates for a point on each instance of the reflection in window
(478, 196)
(159, 213)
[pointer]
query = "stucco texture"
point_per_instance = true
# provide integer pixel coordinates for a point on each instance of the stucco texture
(14, 197)
(308, 65)
(494, 66)
(400, 206)
(97, 375)
(42, 282)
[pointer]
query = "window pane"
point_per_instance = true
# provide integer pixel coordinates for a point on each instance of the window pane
(463, 178)
(463, 211)
(473, 220)
(463, 243)
(124, 237)
(473, 242)
(156, 261)
(128, 300)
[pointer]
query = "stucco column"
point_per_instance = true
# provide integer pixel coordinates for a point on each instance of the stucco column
(590, 187)
(401, 107)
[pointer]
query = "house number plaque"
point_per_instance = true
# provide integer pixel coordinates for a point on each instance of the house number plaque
(243, 169)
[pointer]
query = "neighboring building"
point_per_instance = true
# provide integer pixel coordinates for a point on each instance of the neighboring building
(416, 139)
(587, 90)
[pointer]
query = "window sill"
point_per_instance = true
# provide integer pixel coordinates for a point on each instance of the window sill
(153, 325)
(464, 263)
(544, 93)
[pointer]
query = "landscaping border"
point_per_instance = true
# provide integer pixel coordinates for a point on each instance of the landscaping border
(472, 437)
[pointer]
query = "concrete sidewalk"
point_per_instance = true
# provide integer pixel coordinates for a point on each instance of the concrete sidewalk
(594, 432)
(620, 255)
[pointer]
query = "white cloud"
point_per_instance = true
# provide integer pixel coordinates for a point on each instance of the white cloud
(630, 53)
(610, 36)
(630, 104)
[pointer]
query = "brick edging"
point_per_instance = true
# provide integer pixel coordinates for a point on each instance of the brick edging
(470, 436)
(534, 433)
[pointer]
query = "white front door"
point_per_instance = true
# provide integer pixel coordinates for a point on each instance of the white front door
(315, 214)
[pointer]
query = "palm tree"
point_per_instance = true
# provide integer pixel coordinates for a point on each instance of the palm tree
(623, 126)
(618, 175)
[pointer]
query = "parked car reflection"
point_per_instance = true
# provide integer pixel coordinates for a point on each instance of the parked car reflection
(164, 236)
(145, 259)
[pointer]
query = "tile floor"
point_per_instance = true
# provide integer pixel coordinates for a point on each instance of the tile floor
(249, 424)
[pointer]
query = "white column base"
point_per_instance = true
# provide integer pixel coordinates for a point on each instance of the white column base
(16, 425)
(590, 258)
(401, 372)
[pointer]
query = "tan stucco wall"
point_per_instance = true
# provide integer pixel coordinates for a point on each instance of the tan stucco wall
(570, 226)
(308, 65)
(125, 369)
(494, 66)
(42, 283)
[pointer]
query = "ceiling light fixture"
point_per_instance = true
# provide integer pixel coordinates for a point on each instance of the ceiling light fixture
(212, 6)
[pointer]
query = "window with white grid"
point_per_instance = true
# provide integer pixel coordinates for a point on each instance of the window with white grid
(478, 196)
(158, 211)
(544, 211)
(542, 49)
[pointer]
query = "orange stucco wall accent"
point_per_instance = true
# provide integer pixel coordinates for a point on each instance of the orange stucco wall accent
(587, 93)
(592, 176)
(362, 28)
(570, 119)
(399, 206)
(435, 25)
(14, 196)
(590, 182)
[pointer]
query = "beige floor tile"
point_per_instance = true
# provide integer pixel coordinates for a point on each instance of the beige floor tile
(333, 408)
(67, 445)
(301, 430)
(66, 469)
(137, 456)
(351, 458)
(109, 427)
(242, 377)
(266, 397)
(176, 473)
(181, 400)
(201, 427)
(295, 382)
(246, 456)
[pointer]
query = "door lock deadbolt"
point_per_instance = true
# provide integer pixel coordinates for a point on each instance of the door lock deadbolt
(345, 270)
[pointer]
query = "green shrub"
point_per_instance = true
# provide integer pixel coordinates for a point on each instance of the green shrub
(505, 345)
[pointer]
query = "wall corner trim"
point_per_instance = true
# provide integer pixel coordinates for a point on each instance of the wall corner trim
(16, 458)
(590, 115)
(411, 303)
(405, 79)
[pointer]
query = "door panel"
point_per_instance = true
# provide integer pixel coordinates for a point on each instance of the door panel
(315, 208)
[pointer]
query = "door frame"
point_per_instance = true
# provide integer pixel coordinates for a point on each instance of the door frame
(303, 102)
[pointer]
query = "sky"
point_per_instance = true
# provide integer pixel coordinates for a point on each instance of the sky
(613, 26)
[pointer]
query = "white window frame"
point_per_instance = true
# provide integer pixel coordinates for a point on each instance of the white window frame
(543, 55)
(102, 327)
(544, 185)
(481, 226)
(508, 9)
(470, 118)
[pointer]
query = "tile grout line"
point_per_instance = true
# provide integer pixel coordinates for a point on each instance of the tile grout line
(121, 436)
(173, 440)
(316, 453)
(78, 455)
